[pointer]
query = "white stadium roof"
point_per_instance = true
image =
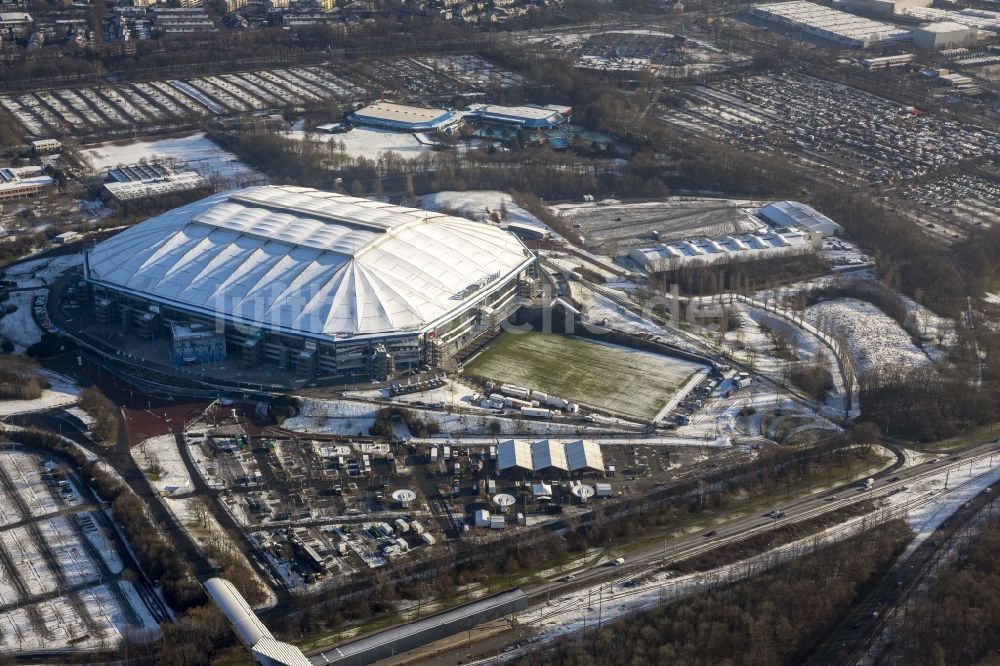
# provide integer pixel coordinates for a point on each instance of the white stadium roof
(308, 262)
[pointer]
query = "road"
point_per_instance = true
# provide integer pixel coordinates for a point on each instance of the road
(652, 557)
(847, 643)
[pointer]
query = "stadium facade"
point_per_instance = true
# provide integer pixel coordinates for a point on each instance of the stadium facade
(316, 283)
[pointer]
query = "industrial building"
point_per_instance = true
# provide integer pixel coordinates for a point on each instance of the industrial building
(528, 117)
(318, 284)
(549, 457)
(138, 181)
(22, 182)
(793, 214)
(830, 24)
(889, 62)
(943, 35)
(403, 118)
(885, 8)
(405, 637)
(16, 21)
(974, 18)
(665, 257)
(264, 649)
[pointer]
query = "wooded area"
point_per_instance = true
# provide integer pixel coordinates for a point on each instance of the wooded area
(774, 618)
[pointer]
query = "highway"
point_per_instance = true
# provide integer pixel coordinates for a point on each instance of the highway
(608, 581)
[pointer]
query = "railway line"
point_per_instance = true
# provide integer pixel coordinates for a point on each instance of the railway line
(704, 581)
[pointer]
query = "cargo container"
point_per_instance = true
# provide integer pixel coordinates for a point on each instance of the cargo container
(558, 403)
(402, 526)
(539, 396)
(514, 390)
(537, 412)
(516, 403)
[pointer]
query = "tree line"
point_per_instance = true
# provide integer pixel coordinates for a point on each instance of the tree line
(774, 618)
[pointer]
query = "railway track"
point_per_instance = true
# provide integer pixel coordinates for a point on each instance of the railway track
(705, 581)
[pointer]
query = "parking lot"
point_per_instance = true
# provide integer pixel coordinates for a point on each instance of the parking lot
(436, 79)
(852, 136)
(106, 108)
(968, 200)
(615, 228)
(61, 582)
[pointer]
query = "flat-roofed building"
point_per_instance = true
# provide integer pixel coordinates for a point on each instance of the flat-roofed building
(404, 118)
(529, 117)
(22, 182)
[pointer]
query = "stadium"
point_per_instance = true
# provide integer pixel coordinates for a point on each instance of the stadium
(316, 284)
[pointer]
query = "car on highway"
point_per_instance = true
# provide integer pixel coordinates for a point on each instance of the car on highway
(831, 498)
(711, 534)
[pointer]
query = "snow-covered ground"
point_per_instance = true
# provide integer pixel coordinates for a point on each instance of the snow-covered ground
(19, 326)
(61, 392)
(350, 417)
(475, 204)
(95, 534)
(875, 340)
(161, 453)
(343, 417)
(199, 152)
(368, 143)
(25, 474)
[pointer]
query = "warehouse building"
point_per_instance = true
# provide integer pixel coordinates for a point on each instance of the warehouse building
(885, 8)
(830, 24)
(138, 181)
(397, 640)
(797, 215)
(402, 118)
(317, 284)
(23, 182)
(943, 35)
(665, 257)
(546, 457)
(528, 117)
(982, 19)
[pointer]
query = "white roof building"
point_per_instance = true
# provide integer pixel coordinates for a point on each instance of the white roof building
(943, 35)
(830, 24)
(720, 250)
(546, 455)
(404, 118)
(524, 116)
(312, 263)
(584, 455)
(801, 216)
(514, 454)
